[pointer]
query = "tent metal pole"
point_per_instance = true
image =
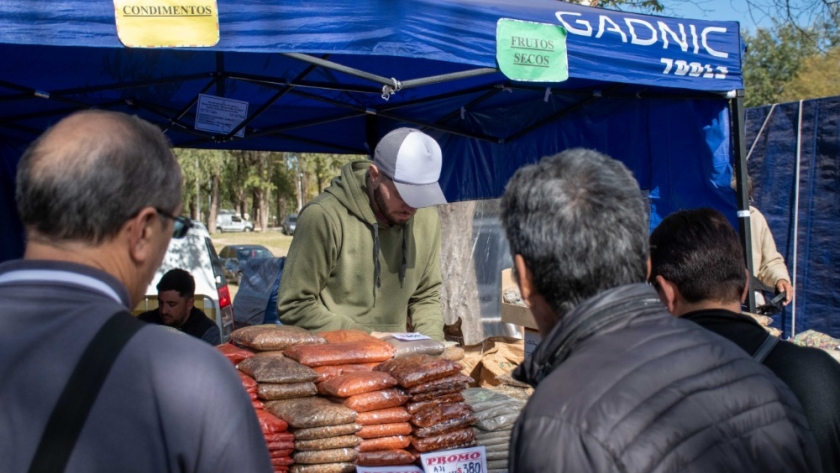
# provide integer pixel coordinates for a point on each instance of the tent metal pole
(761, 131)
(447, 77)
(738, 128)
(340, 68)
(190, 105)
(796, 217)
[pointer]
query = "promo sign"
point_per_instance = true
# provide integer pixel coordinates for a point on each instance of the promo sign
(463, 460)
(167, 23)
(531, 52)
(220, 115)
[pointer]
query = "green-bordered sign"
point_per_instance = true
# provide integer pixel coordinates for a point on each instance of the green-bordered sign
(533, 52)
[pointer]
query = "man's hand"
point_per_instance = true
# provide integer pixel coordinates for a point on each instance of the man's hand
(783, 285)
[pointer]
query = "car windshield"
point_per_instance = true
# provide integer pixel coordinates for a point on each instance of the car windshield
(249, 253)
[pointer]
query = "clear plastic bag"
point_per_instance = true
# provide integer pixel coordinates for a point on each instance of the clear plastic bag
(418, 369)
(384, 430)
(247, 381)
(311, 412)
(415, 407)
(453, 353)
(457, 381)
(326, 431)
(234, 353)
(384, 416)
(356, 383)
(325, 373)
(435, 395)
(279, 436)
(328, 443)
(441, 413)
(385, 458)
(341, 353)
(336, 455)
(273, 337)
(395, 442)
(274, 392)
(493, 410)
(271, 423)
(376, 400)
(324, 468)
(270, 369)
(405, 348)
(347, 335)
(445, 426)
(455, 439)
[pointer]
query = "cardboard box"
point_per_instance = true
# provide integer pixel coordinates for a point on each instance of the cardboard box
(519, 315)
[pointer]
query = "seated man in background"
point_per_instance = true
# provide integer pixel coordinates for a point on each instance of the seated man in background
(620, 384)
(698, 270)
(176, 308)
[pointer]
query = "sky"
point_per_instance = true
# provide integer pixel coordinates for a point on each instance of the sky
(718, 10)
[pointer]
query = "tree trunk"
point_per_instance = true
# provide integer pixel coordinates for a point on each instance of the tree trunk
(214, 204)
(459, 294)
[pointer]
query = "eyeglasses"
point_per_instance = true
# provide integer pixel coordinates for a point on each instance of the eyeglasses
(182, 224)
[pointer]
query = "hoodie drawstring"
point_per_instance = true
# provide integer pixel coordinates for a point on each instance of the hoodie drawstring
(403, 263)
(377, 270)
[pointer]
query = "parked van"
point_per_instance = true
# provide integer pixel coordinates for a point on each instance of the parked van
(195, 253)
(232, 223)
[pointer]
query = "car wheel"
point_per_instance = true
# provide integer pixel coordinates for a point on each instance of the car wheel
(218, 229)
(248, 229)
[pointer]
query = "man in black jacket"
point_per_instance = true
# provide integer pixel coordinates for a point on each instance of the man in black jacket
(699, 272)
(176, 308)
(620, 384)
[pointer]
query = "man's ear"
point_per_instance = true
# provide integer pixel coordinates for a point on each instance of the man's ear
(374, 173)
(649, 268)
(746, 292)
(524, 278)
(669, 294)
(140, 232)
(190, 303)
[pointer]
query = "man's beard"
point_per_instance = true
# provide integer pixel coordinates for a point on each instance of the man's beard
(383, 209)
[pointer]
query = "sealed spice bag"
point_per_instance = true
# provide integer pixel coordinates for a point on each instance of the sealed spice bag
(311, 412)
(384, 416)
(404, 348)
(343, 467)
(326, 431)
(325, 373)
(375, 400)
(396, 442)
(419, 369)
(392, 457)
(346, 335)
(277, 391)
(495, 415)
(457, 439)
(234, 353)
(277, 370)
(273, 337)
(359, 382)
(341, 353)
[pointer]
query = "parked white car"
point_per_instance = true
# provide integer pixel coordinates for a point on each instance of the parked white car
(233, 223)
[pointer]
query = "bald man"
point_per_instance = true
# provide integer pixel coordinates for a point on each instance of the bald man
(98, 194)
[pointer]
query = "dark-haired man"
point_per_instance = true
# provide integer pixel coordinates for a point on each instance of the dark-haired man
(698, 270)
(620, 384)
(176, 308)
(84, 386)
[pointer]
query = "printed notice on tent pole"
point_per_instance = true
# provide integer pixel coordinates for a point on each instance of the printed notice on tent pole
(220, 115)
(532, 52)
(167, 23)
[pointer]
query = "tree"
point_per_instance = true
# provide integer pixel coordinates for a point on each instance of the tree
(817, 77)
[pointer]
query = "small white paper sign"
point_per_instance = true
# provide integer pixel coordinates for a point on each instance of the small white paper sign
(463, 460)
(409, 336)
(388, 469)
(220, 115)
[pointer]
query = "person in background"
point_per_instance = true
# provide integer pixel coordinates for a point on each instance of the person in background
(768, 263)
(176, 308)
(366, 252)
(620, 384)
(697, 267)
(97, 194)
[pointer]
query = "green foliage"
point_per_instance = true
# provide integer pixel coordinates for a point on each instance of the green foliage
(817, 77)
(773, 58)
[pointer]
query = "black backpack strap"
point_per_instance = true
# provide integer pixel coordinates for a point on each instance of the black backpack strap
(766, 347)
(76, 400)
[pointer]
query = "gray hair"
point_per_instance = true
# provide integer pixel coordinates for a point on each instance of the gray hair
(83, 181)
(578, 220)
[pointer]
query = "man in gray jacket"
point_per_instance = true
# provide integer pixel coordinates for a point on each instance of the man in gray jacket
(620, 384)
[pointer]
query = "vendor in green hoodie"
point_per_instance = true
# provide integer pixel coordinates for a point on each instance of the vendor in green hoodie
(366, 252)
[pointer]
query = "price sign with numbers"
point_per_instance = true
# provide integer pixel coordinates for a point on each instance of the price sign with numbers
(409, 336)
(464, 460)
(388, 469)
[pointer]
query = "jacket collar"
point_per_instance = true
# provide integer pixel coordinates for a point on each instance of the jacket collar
(608, 309)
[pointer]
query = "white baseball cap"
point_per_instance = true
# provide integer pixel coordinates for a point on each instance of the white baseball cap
(412, 159)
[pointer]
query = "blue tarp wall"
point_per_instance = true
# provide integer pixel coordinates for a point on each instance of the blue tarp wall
(811, 225)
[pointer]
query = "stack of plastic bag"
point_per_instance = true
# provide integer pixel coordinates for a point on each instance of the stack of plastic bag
(495, 415)
(433, 385)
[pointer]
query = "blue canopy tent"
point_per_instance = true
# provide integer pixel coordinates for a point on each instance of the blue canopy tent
(662, 95)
